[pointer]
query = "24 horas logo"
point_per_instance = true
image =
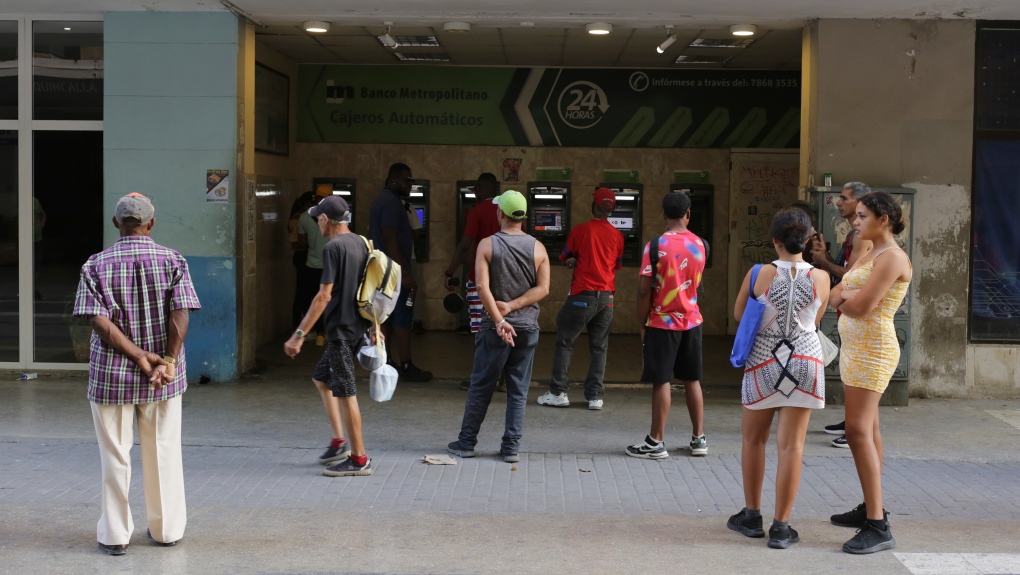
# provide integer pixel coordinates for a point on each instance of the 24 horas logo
(582, 104)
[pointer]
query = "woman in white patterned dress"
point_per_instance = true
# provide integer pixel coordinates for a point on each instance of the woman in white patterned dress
(784, 372)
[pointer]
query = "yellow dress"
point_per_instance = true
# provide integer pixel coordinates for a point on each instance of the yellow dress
(869, 350)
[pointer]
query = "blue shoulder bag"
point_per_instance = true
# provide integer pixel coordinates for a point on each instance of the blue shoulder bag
(748, 328)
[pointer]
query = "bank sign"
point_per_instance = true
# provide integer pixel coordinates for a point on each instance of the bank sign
(549, 106)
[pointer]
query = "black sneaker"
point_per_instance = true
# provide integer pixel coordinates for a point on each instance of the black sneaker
(454, 448)
(510, 457)
(870, 539)
(836, 428)
(840, 442)
(782, 537)
(856, 517)
(465, 384)
(335, 453)
(501, 387)
(411, 372)
(749, 526)
(645, 450)
(347, 468)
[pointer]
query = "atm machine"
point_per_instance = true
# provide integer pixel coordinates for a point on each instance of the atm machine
(702, 211)
(465, 201)
(419, 201)
(627, 218)
(343, 187)
(549, 214)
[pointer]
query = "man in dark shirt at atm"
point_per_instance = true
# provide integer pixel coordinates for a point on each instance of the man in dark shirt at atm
(595, 251)
(390, 231)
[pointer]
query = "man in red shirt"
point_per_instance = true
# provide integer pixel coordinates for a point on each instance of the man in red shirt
(481, 223)
(667, 300)
(595, 251)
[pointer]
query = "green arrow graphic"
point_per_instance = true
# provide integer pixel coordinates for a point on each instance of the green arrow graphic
(636, 127)
(710, 129)
(746, 131)
(780, 134)
(674, 127)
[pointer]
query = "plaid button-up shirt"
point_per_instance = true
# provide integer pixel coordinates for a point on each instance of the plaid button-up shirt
(136, 283)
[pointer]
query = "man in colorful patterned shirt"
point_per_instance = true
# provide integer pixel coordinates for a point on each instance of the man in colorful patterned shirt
(137, 295)
(667, 300)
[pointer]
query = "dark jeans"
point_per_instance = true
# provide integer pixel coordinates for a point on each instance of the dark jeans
(493, 357)
(593, 310)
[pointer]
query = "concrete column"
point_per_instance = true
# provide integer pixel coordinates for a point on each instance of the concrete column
(174, 108)
(891, 103)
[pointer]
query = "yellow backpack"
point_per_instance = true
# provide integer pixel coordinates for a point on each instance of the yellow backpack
(379, 287)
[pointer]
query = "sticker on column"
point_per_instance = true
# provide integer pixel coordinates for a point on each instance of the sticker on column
(217, 186)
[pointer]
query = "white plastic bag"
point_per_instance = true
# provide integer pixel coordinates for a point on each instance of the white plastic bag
(372, 357)
(383, 382)
(829, 349)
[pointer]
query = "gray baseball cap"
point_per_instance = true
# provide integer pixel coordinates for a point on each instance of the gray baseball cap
(136, 207)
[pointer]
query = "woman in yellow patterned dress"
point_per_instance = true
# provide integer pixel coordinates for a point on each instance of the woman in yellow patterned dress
(868, 296)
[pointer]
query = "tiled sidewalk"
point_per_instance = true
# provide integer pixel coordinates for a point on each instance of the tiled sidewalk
(67, 471)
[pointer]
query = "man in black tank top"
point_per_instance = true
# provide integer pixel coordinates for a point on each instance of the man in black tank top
(512, 273)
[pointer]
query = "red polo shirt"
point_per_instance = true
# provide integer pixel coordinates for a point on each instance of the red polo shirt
(598, 247)
(481, 223)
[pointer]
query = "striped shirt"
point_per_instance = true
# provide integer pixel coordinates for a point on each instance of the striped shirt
(136, 283)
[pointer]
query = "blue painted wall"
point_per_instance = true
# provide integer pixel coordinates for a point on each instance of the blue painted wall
(170, 114)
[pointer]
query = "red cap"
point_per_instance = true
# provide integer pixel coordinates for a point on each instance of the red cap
(604, 198)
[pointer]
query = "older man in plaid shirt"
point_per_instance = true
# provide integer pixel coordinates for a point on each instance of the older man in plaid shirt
(137, 296)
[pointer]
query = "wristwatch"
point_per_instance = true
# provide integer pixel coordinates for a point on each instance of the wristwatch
(171, 360)
(299, 333)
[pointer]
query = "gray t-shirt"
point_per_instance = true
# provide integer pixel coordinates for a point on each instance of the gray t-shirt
(316, 241)
(343, 260)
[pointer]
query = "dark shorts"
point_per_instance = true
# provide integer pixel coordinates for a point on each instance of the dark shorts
(402, 315)
(671, 353)
(336, 368)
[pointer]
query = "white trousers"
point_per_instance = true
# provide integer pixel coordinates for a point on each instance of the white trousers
(159, 433)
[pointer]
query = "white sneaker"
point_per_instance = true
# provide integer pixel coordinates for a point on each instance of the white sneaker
(554, 399)
(594, 404)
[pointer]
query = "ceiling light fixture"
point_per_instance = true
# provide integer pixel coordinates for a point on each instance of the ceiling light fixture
(670, 38)
(599, 29)
(386, 39)
(316, 27)
(743, 29)
(456, 27)
(67, 28)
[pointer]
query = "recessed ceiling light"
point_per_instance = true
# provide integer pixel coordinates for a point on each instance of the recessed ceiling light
(743, 29)
(68, 28)
(456, 27)
(599, 29)
(316, 27)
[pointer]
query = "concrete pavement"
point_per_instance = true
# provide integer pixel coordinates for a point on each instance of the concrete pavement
(574, 504)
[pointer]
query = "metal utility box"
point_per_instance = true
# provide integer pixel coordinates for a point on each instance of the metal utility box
(834, 228)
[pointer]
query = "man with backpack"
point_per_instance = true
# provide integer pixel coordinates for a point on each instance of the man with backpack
(344, 259)
(667, 301)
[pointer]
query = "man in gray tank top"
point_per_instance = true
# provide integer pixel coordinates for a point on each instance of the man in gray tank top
(512, 273)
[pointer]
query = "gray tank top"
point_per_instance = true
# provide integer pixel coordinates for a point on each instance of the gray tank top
(511, 273)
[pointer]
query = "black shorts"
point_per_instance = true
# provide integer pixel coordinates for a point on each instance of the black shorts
(668, 353)
(336, 368)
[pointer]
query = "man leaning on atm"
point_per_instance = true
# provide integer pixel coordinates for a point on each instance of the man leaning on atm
(595, 251)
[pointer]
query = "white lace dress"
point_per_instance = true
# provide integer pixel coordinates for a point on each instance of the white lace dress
(785, 367)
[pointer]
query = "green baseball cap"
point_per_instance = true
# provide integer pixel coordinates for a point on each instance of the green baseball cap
(512, 203)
